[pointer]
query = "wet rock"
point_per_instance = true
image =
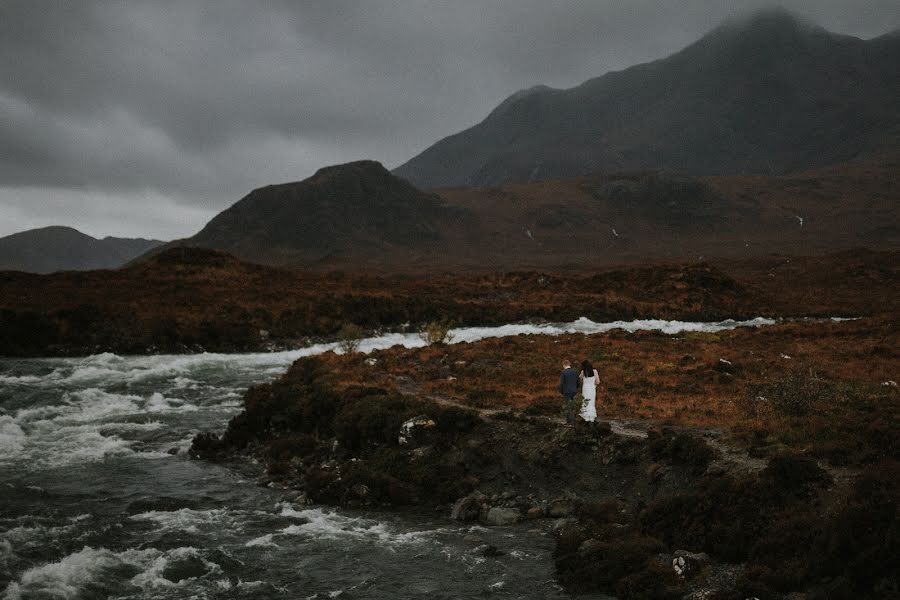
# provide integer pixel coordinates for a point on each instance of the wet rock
(473, 539)
(500, 516)
(184, 567)
(663, 559)
(417, 430)
(491, 551)
(561, 524)
(725, 366)
(360, 490)
(589, 546)
(715, 470)
(535, 512)
(562, 507)
(173, 451)
(688, 564)
(468, 508)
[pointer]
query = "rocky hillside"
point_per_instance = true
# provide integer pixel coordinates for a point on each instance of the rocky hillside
(358, 217)
(356, 210)
(770, 94)
(50, 249)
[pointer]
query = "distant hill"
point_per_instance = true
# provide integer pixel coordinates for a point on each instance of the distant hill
(358, 217)
(356, 210)
(57, 248)
(767, 95)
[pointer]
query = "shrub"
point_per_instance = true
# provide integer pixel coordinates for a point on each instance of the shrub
(367, 421)
(484, 398)
(286, 448)
(682, 449)
(585, 563)
(792, 396)
(544, 407)
(653, 581)
(348, 337)
(456, 420)
(437, 332)
(791, 473)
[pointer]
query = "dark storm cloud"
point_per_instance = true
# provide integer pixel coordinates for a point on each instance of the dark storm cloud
(170, 112)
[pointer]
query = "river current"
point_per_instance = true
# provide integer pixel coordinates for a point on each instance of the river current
(99, 500)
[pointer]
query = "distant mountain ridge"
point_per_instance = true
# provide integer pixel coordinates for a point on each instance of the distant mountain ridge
(358, 217)
(769, 94)
(357, 210)
(58, 248)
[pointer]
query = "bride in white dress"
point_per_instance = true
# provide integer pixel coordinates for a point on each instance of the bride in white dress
(588, 377)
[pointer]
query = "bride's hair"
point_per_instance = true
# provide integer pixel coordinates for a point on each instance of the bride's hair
(587, 368)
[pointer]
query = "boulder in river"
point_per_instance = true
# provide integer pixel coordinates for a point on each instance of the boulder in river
(500, 516)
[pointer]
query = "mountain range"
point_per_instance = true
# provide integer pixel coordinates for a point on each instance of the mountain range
(768, 135)
(770, 94)
(57, 248)
(359, 217)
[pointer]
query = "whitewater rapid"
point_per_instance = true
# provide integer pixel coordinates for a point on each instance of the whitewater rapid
(98, 499)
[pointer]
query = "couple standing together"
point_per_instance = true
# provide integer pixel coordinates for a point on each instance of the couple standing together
(568, 387)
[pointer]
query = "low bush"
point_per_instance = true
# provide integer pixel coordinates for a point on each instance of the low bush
(681, 449)
(455, 420)
(793, 474)
(348, 337)
(437, 332)
(283, 449)
(484, 398)
(793, 395)
(367, 421)
(544, 407)
(585, 563)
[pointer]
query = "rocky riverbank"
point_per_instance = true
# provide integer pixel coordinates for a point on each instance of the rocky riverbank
(638, 510)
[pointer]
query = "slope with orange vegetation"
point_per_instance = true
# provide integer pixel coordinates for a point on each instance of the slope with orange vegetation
(186, 299)
(689, 379)
(589, 222)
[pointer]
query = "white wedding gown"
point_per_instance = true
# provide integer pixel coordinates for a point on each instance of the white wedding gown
(589, 398)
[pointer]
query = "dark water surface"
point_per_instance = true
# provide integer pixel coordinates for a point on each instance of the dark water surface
(93, 505)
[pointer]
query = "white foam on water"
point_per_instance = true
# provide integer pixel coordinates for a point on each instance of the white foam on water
(153, 576)
(21, 379)
(69, 577)
(12, 438)
(262, 541)
(83, 427)
(73, 573)
(326, 524)
(186, 519)
(180, 371)
(157, 403)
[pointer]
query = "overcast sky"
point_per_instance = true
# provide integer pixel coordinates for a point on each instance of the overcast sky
(147, 118)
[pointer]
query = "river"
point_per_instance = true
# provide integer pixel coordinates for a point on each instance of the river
(99, 500)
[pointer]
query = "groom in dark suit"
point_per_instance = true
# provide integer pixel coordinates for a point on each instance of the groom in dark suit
(568, 387)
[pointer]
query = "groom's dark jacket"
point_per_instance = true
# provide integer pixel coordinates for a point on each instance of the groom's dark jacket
(568, 382)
